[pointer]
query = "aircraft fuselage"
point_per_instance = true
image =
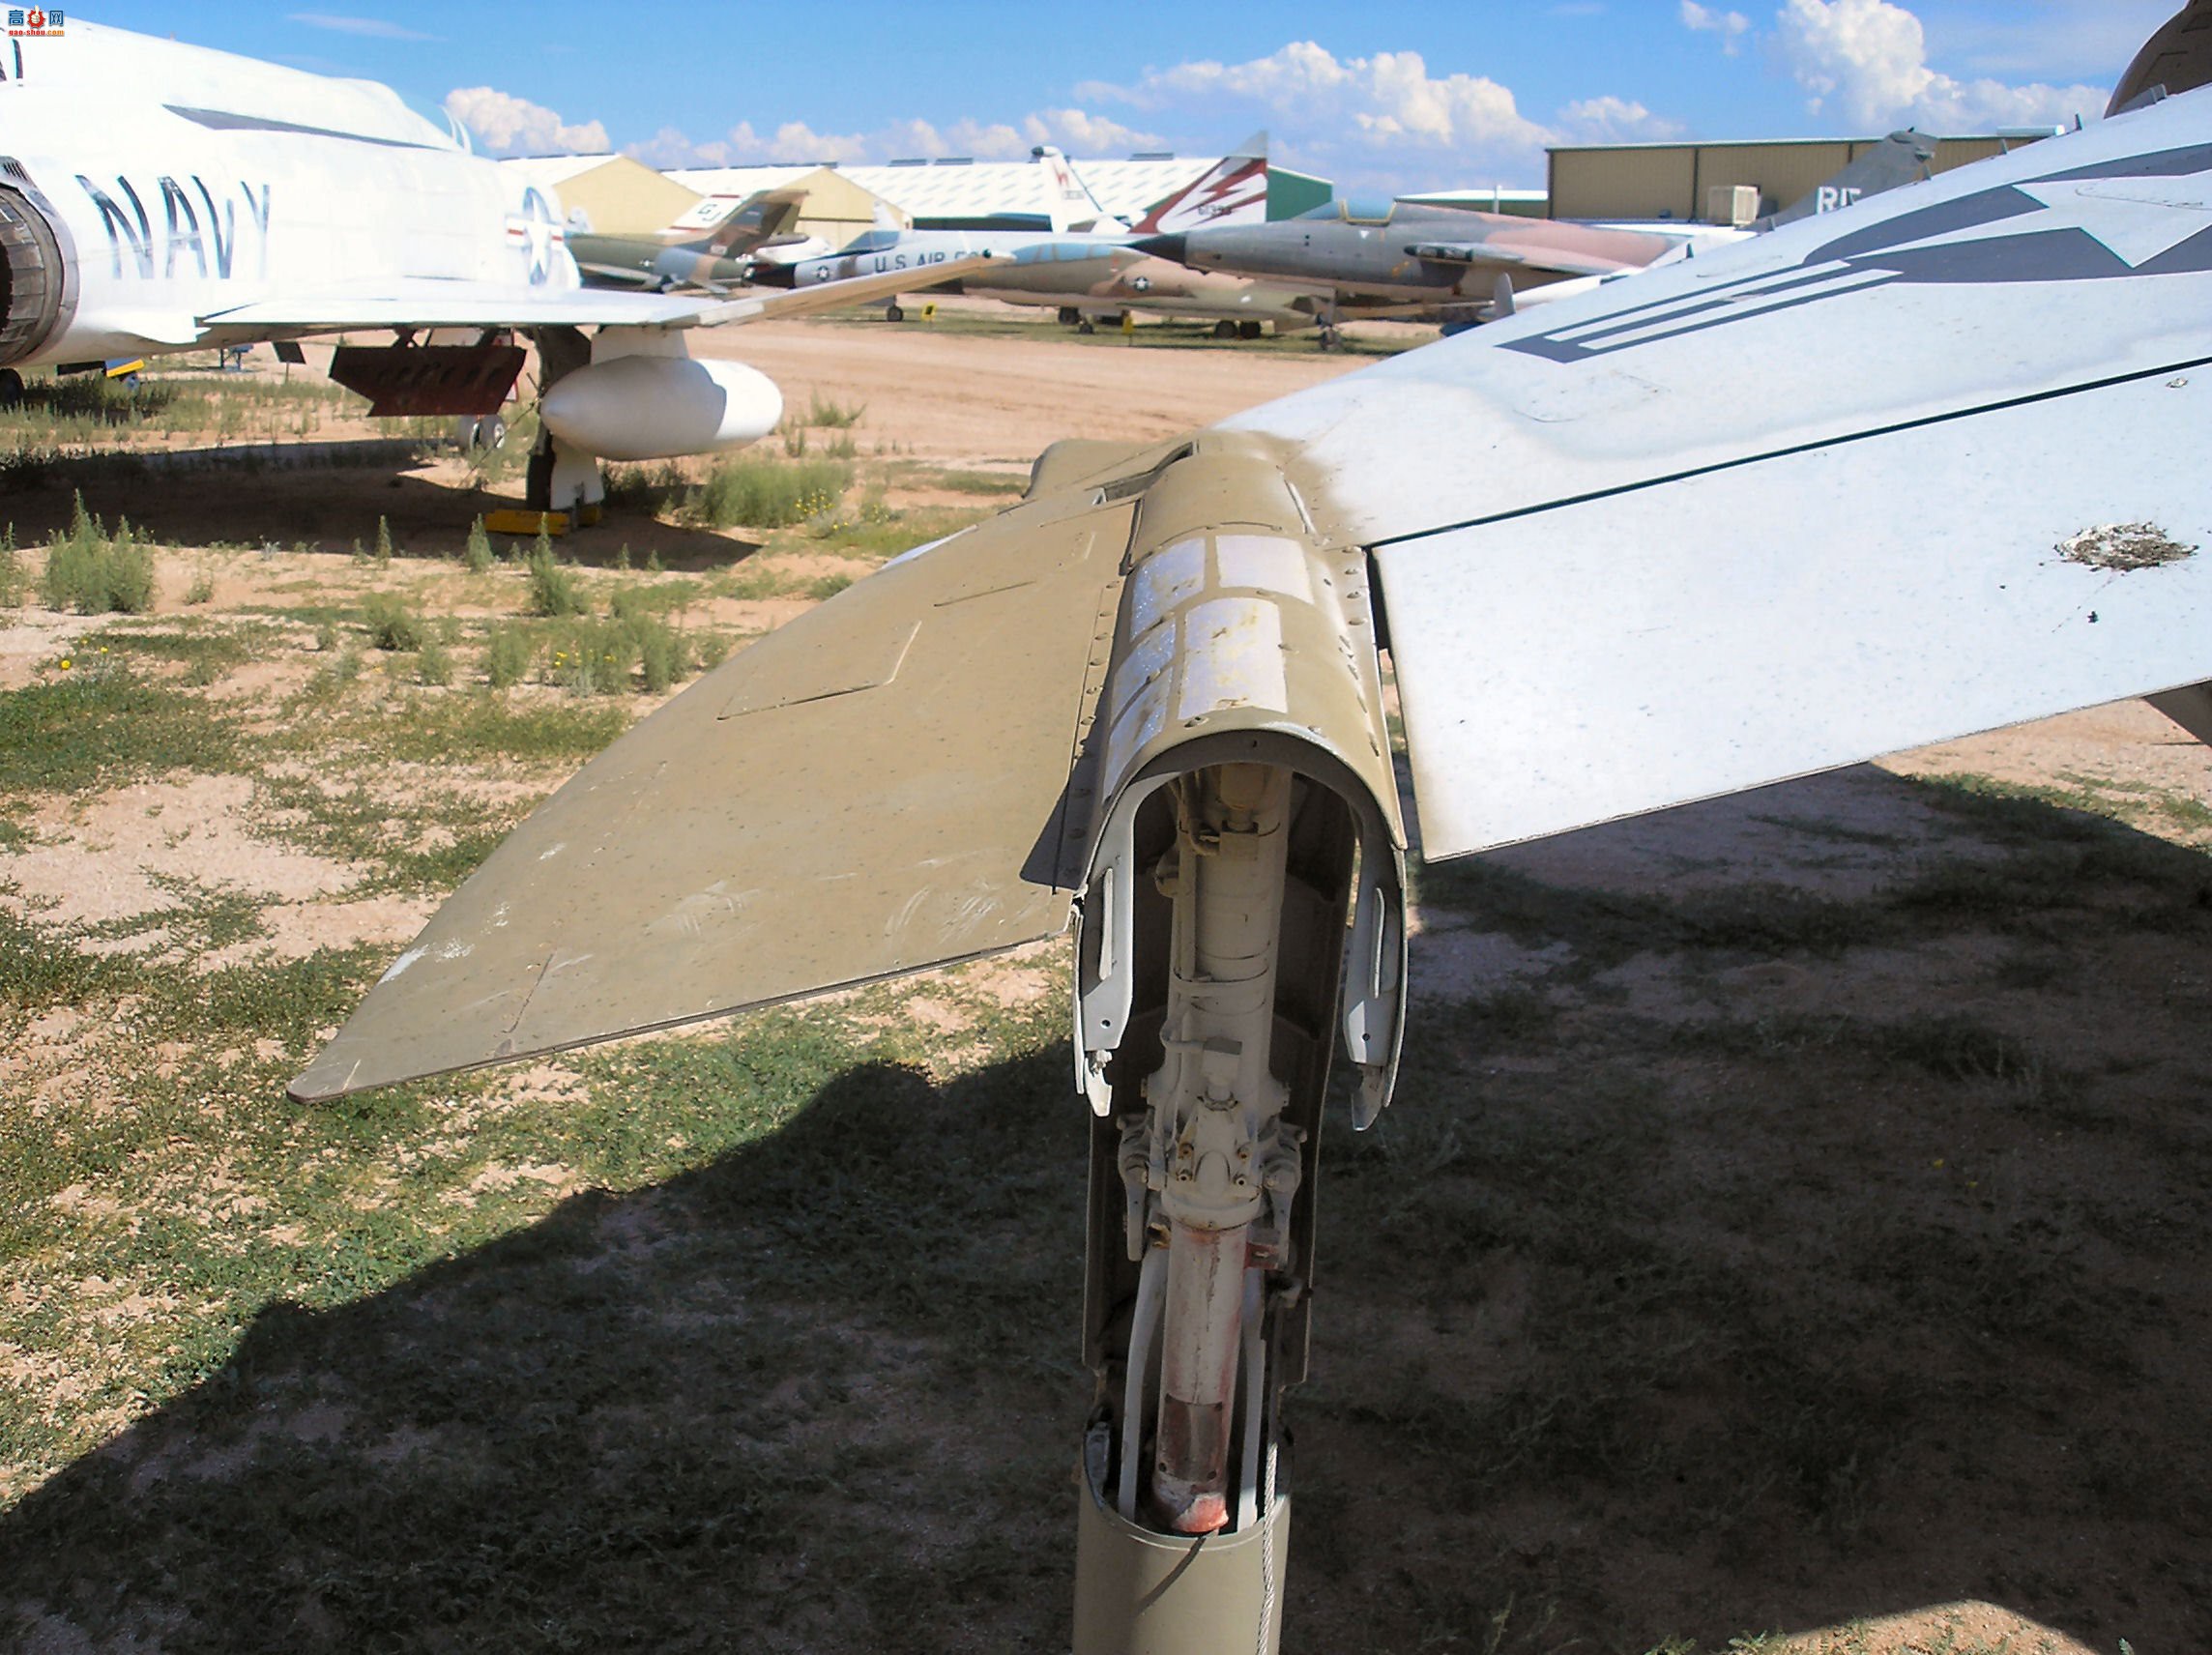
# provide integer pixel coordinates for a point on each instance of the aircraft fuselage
(210, 182)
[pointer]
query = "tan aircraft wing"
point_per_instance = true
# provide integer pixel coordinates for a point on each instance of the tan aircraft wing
(875, 788)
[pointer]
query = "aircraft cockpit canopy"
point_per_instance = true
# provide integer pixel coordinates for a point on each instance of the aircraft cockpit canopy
(1352, 210)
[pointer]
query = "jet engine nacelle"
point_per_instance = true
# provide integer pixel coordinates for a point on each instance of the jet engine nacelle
(659, 407)
(33, 274)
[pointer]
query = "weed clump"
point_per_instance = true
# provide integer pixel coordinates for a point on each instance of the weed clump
(14, 584)
(476, 556)
(383, 540)
(97, 573)
(391, 623)
(434, 665)
(508, 657)
(756, 493)
(555, 591)
(837, 416)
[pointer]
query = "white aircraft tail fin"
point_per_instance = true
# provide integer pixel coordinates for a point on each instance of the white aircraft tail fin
(1235, 192)
(1072, 205)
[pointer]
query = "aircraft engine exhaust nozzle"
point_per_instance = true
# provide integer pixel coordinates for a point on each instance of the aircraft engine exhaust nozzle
(655, 408)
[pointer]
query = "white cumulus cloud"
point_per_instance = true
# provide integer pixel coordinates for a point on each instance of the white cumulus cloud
(1868, 60)
(508, 125)
(1731, 26)
(1613, 120)
(1389, 100)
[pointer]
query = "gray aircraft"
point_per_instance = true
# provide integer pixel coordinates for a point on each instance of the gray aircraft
(1387, 258)
(1453, 264)
(765, 219)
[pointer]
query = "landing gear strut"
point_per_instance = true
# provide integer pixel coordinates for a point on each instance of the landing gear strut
(560, 477)
(1216, 979)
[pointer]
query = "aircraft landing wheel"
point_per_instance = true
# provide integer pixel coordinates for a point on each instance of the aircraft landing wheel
(1330, 339)
(1069, 316)
(1247, 329)
(11, 387)
(1085, 326)
(480, 434)
(893, 314)
(1225, 329)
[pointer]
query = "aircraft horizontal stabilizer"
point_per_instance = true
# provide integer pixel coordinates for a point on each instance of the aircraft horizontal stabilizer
(877, 788)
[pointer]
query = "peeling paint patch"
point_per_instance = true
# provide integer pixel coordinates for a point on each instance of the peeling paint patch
(2124, 547)
(402, 964)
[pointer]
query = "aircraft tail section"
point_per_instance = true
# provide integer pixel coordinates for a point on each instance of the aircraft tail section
(1235, 192)
(1073, 206)
(725, 226)
(1901, 157)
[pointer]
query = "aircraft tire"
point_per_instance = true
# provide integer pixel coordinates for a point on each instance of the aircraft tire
(893, 314)
(1069, 316)
(1085, 326)
(11, 387)
(1248, 330)
(1225, 329)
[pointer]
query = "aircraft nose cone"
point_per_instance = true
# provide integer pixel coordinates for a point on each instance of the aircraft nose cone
(1168, 247)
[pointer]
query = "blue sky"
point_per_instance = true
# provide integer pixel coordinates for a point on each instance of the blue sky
(1376, 95)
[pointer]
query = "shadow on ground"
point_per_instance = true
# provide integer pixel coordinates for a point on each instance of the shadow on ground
(1743, 1305)
(262, 494)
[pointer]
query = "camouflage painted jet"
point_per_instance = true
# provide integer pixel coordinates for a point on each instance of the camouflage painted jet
(1088, 279)
(220, 201)
(1235, 191)
(709, 248)
(1150, 699)
(1349, 259)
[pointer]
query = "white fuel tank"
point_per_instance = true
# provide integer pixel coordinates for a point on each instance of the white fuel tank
(656, 407)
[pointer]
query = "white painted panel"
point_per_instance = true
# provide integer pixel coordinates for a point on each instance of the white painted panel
(1233, 656)
(1667, 644)
(1265, 562)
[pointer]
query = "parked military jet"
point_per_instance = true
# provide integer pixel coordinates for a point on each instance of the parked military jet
(1151, 697)
(1457, 266)
(1088, 279)
(1387, 258)
(1235, 191)
(708, 248)
(220, 201)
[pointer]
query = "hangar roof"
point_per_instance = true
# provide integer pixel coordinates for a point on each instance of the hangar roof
(936, 190)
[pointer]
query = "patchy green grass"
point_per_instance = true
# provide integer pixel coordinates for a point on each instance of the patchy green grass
(756, 492)
(99, 724)
(455, 728)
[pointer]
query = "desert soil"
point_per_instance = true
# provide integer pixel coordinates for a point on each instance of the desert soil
(1794, 1219)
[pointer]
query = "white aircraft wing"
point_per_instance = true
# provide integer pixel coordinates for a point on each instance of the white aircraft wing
(437, 304)
(1924, 465)
(1894, 475)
